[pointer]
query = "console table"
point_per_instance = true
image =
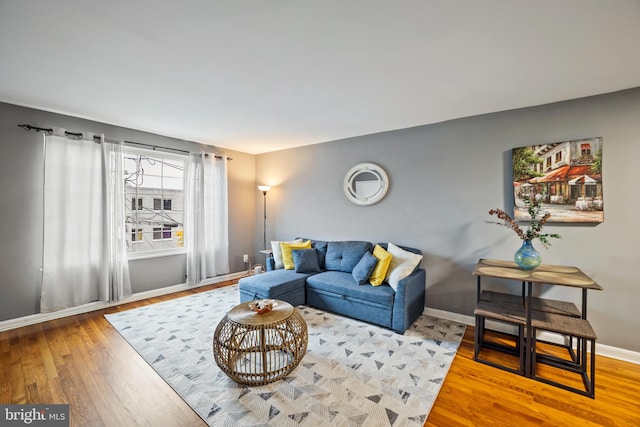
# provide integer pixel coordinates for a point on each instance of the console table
(530, 314)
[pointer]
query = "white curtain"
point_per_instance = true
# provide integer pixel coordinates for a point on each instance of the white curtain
(79, 265)
(206, 217)
(118, 285)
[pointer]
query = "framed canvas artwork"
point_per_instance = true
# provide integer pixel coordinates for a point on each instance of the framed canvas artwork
(567, 176)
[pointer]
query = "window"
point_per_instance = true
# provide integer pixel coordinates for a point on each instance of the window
(558, 156)
(161, 204)
(136, 234)
(585, 149)
(548, 163)
(136, 203)
(158, 177)
(161, 233)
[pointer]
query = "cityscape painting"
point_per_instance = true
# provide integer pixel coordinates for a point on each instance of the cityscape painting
(566, 176)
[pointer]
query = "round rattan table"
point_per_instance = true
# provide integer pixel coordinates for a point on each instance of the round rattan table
(257, 349)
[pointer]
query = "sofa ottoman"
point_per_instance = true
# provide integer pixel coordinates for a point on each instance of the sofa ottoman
(284, 285)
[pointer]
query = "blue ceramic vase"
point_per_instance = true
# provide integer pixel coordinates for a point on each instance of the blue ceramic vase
(527, 257)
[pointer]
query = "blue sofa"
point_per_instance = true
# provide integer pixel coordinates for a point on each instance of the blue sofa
(333, 288)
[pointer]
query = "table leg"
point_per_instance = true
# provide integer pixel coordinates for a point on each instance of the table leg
(479, 333)
(529, 333)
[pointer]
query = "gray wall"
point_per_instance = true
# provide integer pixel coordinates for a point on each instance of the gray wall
(21, 208)
(446, 177)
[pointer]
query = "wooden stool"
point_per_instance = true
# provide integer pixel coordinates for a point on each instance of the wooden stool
(574, 328)
(545, 305)
(506, 314)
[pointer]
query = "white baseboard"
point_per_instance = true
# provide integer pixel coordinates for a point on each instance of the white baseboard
(448, 315)
(98, 305)
(601, 349)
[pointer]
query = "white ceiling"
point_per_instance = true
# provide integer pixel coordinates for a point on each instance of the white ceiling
(263, 75)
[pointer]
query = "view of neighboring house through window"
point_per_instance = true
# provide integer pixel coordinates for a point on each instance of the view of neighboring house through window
(154, 185)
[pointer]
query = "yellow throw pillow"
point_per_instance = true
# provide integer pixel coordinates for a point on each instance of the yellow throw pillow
(287, 256)
(380, 272)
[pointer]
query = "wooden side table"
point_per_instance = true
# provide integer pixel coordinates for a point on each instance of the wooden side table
(257, 349)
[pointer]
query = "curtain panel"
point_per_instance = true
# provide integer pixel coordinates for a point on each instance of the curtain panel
(83, 256)
(206, 217)
(118, 285)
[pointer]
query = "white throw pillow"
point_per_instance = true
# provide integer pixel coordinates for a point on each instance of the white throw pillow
(402, 264)
(277, 252)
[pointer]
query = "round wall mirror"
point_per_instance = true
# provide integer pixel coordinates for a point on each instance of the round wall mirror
(366, 184)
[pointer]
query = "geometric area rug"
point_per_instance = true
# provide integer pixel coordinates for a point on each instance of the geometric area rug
(353, 374)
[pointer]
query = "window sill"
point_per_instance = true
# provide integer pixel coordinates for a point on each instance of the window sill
(156, 254)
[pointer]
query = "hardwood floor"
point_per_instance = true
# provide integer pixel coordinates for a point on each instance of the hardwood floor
(83, 361)
(475, 394)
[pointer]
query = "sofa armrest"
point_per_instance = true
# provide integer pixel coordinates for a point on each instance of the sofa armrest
(409, 301)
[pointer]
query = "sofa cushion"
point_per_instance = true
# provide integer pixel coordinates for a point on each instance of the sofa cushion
(363, 269)
(306, 260)
(380, 272)
(402, 264)
(276, 251)
(287, 257)
(343, 256)
(343, 284)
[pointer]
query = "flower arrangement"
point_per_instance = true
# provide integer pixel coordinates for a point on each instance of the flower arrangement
(534, 231)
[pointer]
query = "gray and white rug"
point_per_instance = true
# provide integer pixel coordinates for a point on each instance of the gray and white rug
(354, 373)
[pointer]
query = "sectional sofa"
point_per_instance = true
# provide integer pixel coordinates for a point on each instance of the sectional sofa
(337, 276)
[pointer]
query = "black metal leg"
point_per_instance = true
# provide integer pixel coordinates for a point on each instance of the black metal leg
(522, 349)
(593, 369)
(533, 358)
(477, 337)
(529, 340)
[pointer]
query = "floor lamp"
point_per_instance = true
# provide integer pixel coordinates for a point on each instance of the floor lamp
(264, 189)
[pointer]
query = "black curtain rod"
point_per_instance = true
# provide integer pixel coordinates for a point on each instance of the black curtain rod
(79, 135)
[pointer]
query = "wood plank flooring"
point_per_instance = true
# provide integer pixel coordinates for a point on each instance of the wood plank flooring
(83, 361)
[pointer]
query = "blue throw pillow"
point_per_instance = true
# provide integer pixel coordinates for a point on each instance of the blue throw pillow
(363, 269)
(305, 261)
(321, 249)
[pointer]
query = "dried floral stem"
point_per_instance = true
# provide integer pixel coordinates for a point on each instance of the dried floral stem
(534, 231)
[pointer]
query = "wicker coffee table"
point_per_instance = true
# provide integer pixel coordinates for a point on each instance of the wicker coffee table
(257, 349)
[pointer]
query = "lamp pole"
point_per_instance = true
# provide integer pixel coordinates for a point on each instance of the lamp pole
(264, 189)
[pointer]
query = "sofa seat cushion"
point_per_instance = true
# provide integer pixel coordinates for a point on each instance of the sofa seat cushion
(285, 285)
(343, 284)
(343, 256)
